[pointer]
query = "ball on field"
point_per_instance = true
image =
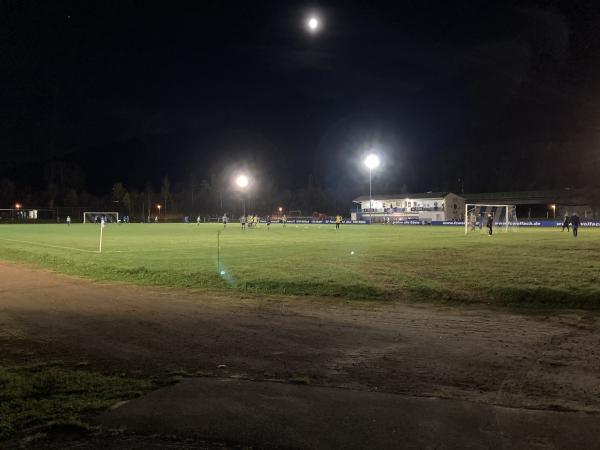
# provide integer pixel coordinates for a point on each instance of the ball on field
(352, 252)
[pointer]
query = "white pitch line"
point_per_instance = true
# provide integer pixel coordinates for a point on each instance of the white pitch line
(160, 250)
(49, 245)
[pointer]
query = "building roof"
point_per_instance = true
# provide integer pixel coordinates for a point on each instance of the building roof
(423, 195)
(566, 196)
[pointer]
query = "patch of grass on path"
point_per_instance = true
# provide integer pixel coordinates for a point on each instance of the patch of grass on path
(39, 394)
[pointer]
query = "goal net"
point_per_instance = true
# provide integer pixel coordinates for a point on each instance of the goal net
(504, 217)
(97, 216)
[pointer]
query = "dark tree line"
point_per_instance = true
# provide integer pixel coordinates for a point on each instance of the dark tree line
(64, 188)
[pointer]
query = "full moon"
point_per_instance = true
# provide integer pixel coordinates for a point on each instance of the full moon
(313, 23)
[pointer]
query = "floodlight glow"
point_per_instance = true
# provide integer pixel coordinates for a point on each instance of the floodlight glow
(18, 206)
(159, 206)
(372, 161)
(313, 23)
(280, 209)
(242, 181)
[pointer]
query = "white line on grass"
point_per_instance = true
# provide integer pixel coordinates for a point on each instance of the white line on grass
(160, 250)
(49, 245)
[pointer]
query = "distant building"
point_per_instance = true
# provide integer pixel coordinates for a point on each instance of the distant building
(544, 204)
(428, 206)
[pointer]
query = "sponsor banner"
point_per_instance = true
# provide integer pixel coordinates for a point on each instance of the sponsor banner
(410, 222)
(523, 223)
(321, 222)
(532, 224)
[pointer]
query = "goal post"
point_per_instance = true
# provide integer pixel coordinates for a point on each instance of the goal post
(96, 216)
(504, 216)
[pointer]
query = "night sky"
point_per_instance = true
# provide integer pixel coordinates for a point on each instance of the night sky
(504, 96)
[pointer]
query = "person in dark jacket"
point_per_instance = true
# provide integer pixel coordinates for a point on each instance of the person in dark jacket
(575, 222)
(490, 224)
(566, 223)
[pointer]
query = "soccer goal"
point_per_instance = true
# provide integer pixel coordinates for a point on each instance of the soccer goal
(504, 217)
(97, 216)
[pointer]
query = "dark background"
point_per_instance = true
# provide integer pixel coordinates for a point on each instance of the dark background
(473, 96)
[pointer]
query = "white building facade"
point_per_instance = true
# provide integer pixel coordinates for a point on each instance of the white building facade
(426, 207)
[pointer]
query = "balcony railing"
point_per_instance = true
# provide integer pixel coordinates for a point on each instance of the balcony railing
(400, 210)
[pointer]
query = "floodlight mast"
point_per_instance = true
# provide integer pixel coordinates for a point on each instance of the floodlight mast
(313, 24)
(242, 182)
(372, 162)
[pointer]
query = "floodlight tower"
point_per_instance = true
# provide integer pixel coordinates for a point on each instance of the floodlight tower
(242, 182)
(313, 24)
(372, 162)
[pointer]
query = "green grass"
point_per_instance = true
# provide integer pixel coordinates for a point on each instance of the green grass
(40, 394)
(526, 267)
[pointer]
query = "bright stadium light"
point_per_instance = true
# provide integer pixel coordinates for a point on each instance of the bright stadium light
(18, 205)
(242, 181)
(372, 162)
(313, 24)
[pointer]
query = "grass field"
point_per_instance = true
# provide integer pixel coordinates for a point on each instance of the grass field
(529, 266)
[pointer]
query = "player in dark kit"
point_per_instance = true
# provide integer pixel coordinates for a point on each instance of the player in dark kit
(490, 224)
(566, 224)
(268, 222)
(575, 222)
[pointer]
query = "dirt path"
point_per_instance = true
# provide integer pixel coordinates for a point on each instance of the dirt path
(499, 357)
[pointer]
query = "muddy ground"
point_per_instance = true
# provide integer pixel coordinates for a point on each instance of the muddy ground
(548, 360)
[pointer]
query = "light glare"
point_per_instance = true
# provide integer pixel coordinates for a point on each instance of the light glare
(242, 181)
(313, 23)
(372, 161)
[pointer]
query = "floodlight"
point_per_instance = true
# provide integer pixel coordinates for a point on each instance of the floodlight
(312, 23)
(242, 181)
(280, 209)
(372, 161)
(18, 206)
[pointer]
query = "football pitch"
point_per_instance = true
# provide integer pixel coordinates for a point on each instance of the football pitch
(525, 267)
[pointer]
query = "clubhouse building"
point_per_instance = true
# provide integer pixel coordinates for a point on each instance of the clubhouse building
(424, 207)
